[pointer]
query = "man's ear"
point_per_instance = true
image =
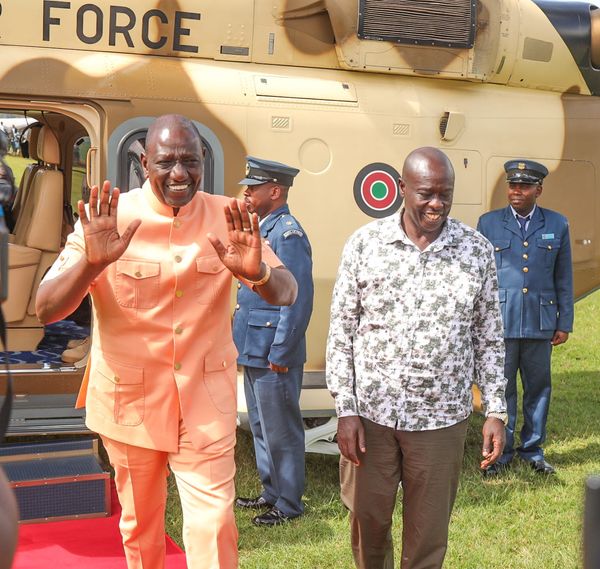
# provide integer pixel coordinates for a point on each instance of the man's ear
(144, 162)
(275, 192)
(539, 190)
(401, 186)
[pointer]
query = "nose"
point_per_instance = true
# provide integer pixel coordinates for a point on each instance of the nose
(178, 172)
(436, 202)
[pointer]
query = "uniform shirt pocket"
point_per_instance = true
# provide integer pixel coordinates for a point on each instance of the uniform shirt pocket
(501, 247)
(137, 283)
(262, 325)
(220, 379)
(125, 385)
(208, 269)
(551, 248)
(548, 311)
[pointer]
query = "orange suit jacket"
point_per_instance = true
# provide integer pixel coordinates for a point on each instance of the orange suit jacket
(161, 343)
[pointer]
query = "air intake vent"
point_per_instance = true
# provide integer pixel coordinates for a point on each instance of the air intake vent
(448, 23)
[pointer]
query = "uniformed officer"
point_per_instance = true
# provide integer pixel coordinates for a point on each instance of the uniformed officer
(533, 257)
(272, 348)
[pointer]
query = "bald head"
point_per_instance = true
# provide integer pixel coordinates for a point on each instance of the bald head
(161, 128)
(427, 160)
(427, 186)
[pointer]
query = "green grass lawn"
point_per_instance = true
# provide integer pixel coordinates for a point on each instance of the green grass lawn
(521, 521)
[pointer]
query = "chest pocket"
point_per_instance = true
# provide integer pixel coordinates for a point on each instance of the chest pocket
(137, 283)
(501, 247)
(209, 269)
(550, 250)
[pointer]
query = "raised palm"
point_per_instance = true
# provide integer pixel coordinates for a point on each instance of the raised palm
(103, 244)
(242, 255)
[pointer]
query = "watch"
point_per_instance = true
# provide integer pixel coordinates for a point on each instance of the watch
(502, 416)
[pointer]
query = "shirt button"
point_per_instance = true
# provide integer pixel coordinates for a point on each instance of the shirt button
(178, 293)
(177, 366)
(525, 256)
(178, 330)
(525, 244)
(177, 223)
(177, 259)
(117, 379)
(525, 270)
(224, 363)
(138, 274)
(525, 290)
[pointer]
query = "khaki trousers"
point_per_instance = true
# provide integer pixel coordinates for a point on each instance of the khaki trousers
(428, 464)
(206, 489)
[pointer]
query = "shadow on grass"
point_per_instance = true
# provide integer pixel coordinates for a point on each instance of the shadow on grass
(321, 498)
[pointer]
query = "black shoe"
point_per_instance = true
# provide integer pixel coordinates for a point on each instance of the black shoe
(274, 517)
(252, 503)
(542, 467)
(495, 469)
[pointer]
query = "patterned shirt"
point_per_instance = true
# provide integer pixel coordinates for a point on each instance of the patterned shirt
(412, 330)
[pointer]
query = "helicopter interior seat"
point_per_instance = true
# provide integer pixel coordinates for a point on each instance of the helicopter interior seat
(35, 245)
(27, 178)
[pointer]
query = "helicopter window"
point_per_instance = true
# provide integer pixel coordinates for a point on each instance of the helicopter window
(79, 187)
(131, 172)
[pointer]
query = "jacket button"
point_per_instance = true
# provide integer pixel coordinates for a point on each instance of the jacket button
(525, 244)
(138, 274)
(177, 259)
(268, 324)
(525, 291)
(178, 330)
(237, 306)
(117, 379)
(497, 249)
(224, 363)
(239, 285)
(525, 256)
(549, 247)
(525, 270)
(551, 302)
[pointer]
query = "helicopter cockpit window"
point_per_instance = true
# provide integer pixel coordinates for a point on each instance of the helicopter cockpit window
(131, 172)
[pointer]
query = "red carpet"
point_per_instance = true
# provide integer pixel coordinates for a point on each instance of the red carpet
(81, 544)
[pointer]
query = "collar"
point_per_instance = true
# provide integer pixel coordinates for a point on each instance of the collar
(530, 214)
(268, 222)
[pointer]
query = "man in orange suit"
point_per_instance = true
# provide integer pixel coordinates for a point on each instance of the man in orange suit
(162, 373)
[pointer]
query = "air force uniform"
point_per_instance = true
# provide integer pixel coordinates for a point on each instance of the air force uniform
(533, 258)
(267, 334)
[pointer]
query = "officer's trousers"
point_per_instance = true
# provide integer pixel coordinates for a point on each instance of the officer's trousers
(532, 359)
(428, 464)
(273, 401)
(205, 482)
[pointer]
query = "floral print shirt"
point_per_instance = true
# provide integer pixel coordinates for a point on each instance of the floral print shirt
(412, 330)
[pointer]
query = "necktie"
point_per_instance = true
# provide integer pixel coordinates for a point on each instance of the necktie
(523, 223)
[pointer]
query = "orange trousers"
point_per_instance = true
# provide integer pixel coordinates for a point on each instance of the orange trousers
(206, 489)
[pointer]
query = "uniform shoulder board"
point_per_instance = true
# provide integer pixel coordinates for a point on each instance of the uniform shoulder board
(291, 232)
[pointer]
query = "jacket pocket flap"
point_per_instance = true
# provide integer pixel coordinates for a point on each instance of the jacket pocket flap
(118, 373)
(500, 244)
(548, 243)
(547, 299)
(220, 359)
(138, 269)
(209, 264)
(263, 318)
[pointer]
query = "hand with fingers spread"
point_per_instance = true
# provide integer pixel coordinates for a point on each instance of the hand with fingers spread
(242, 255)
(103, 244)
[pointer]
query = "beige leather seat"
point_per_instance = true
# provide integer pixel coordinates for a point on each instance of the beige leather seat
(35, 245)
(27, 178)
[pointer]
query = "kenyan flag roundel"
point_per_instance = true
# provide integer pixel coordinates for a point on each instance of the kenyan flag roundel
(376, 190)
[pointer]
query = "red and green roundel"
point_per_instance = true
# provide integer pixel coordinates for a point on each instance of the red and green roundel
(376, 190)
